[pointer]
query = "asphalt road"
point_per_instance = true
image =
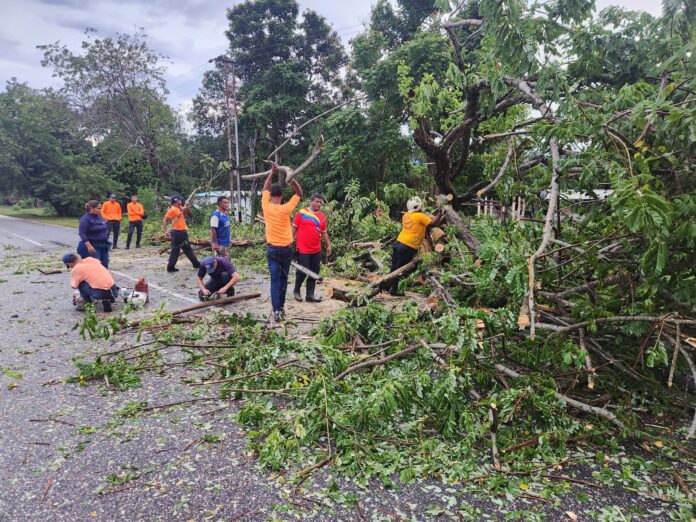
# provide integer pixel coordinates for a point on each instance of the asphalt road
(36, 236)
(70, 452)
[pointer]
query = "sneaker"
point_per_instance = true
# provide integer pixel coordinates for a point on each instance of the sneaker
(298, 296)
(276, 316)
(172, 269)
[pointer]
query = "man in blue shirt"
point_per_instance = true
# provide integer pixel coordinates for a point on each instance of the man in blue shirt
(222, 277)
(220, 233)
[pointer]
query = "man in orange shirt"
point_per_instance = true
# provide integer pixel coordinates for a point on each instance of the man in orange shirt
(179, 234)
(136, 214)
(112, 213)
(279, 237)
(92, 280)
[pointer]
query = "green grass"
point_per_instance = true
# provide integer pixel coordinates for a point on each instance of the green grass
(44, 215)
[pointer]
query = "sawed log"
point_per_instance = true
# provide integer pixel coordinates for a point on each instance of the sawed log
(204, 304)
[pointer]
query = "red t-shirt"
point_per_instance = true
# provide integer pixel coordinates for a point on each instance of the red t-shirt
(309, 225)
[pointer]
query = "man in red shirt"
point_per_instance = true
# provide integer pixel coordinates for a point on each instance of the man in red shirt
(309, 229)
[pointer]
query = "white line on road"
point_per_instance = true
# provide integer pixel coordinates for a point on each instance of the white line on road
(157, 287)
(27, 239)
(36, 222)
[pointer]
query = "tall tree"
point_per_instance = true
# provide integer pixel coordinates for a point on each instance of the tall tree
(46, 153)
(117, 85)
(289, 68)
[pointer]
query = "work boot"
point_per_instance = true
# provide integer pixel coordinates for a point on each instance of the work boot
(312, 299)
(172, 269)
(282, 314)
(276, 316)
(396, 293)
(106, 305)
(298, 295)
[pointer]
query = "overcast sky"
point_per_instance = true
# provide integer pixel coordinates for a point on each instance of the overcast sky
(189, 32)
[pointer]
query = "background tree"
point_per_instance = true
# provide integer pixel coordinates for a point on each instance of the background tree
(117, 86)
(46, 154)
(288, 68)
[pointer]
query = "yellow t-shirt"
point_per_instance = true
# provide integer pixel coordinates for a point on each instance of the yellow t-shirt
(277, 218)
(413, 226)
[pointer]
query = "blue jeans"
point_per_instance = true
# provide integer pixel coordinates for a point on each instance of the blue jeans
(102, 251)
(90, 294)
(279, 265)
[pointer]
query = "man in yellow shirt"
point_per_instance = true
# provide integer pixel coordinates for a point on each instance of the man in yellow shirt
(112, 214)
(276, 215)
(136, 214)
(414, 223)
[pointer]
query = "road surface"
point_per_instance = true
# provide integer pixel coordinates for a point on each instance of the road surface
(35, 236)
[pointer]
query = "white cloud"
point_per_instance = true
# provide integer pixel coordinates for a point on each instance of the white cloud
(189, 32)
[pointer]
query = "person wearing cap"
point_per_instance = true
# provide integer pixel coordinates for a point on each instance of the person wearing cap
(222, 277)
(136, 214)
(220, 229)
(91, 279)
(178, 235)
(112, 214)
(94, 234)
(309, 229)
(414, 224)
(276, 216)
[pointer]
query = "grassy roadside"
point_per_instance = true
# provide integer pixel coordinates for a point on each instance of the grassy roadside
(39, 214)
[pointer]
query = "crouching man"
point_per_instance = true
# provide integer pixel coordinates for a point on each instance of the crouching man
(92, 280)
(222, 277)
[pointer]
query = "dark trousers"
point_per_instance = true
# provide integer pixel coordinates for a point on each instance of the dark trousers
(312, 262)
(101, 251)
(216, 284)
(279, 259)
(90, 294)
(180, 242)
(115, 227)
(134, 225)
(401, 255)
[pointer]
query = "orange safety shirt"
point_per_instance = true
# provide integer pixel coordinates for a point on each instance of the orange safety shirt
(277, 218)
(135, 211)
(176, 215)
(111, 210)
(93, 272)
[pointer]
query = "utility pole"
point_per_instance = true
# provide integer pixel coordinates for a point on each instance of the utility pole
(227, 62)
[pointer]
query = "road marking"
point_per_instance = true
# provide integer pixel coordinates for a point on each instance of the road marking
(27, 239)
(157, 287)
(36, 222)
